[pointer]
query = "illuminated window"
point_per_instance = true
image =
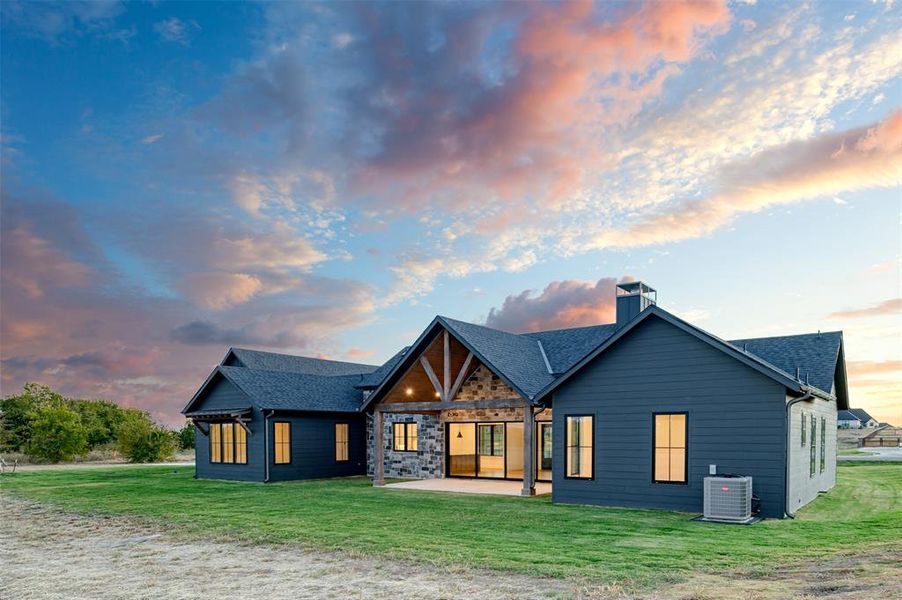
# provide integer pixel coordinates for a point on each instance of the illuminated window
(228, 443)
(341, 442)
(215, 443)
(578, 456)
(823, 443)
(404, 437)
(491, 440)
(812, 461)
(669, 460)
(240, 445)
(804, 441)
(282, 442)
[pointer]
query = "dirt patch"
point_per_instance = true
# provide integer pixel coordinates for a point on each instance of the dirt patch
(51, 554)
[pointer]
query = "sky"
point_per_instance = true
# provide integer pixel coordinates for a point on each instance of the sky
(323, 179)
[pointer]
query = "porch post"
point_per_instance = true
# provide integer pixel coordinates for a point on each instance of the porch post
(529, 430)
(379, 454)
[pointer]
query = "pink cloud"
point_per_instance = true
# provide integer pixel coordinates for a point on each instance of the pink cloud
(562, 304)
(863, 158)
(887, 307)
(535, 133)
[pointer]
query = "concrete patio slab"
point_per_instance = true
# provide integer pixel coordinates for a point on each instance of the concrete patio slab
(469, 486)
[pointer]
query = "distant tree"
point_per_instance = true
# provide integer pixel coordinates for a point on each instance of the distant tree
(186, 436)
(101, 419)
(141, 440)
(56, 434)
(17, 414)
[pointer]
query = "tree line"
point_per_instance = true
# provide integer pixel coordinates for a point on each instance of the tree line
(44, 425)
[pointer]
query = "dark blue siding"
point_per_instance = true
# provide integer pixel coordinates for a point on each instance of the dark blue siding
(313, 447)
(736, 420)
(312, 444)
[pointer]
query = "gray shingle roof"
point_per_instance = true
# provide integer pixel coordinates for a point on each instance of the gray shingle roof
(565, 347)
(516, 357)
(272, 361)
(372, 380)
(846, 415)
(814, 354)
(282, 390)
(861, 414)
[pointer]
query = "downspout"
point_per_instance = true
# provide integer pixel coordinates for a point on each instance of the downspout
(266, 445)
(806, 396)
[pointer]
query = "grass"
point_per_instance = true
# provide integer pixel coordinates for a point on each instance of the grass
(529, 535)
(854, 452)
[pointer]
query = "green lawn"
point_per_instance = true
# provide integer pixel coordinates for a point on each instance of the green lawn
(633, 547)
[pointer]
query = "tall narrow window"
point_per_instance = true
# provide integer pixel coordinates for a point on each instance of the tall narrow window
(240, 445)
(804, 441)
(812, 462)
(669, 459)
(282, 442)
(215, 442)
(341, 442)
(578, 456)
(823, 443)
(404, 437)
(228, 447)
(491, 440)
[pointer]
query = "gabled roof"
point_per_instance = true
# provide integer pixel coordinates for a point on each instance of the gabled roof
(775, 372)
(847, 415)
(565, 347)
(514, 357)
(280, 390)
(862, 415)
(813, 354)
(273, 361)
(372, 380)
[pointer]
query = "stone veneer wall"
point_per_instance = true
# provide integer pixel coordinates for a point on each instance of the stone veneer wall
(428, 461)
(482, 384)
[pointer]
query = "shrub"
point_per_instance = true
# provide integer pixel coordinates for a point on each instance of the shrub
(56, 434)
(101, 419)
(141, 440)
(186, 436)
(17, 415)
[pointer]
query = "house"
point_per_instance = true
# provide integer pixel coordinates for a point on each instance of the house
(633, 413)
(855, 418)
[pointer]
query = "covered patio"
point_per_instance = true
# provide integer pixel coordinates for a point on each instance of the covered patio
(469, 486)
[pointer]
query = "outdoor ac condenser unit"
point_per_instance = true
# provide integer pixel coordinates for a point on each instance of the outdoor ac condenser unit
(728, 499)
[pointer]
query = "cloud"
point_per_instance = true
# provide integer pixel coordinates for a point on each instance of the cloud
(152, 139)
(175, 30)
(217, 291)
(562, 304)
(859, 159)
(860, 368)
(887, 307)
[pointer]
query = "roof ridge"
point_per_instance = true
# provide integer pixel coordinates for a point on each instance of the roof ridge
(774, 337)
(296, 373)
(332, 360)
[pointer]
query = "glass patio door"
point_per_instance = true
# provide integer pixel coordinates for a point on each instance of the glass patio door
(462, 449)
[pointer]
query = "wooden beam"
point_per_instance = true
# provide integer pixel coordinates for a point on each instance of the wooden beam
(432, 377)
(243, 422)
(199, 425)
(447, 368)
(379, 441)
(529, 454)
(461, 377)
(404, 407)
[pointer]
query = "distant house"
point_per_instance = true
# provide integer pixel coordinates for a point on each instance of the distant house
(632, 413)
(855, 418)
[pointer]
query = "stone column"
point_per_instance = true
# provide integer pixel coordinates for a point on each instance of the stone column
(379, 443)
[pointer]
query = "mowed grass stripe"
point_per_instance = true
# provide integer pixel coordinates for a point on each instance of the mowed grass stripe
(528, 535)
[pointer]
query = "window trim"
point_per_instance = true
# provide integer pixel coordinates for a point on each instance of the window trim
(221, 438)
(274, 442)
(823, 444)
(812, 456)
(654, 416)
(567, 454)
(405, 437)
(347, 442)
(804, 431)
